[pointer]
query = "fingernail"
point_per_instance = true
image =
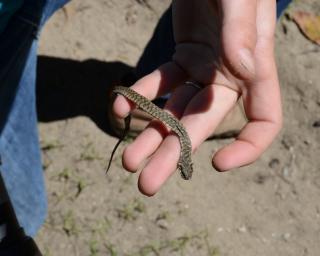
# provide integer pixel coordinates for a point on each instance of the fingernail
(246, 60)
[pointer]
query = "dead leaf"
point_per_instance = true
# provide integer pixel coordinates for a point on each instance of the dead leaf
(309, 24)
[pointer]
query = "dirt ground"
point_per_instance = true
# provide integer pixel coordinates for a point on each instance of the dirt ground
(269, 208)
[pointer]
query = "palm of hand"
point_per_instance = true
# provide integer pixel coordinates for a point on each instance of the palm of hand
(207, 55)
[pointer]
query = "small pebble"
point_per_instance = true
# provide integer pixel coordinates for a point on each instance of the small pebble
(286, 236)
(242, 229)
(316, 124)
(286, 172)
(274, 163)
(287, 142)
(163, 224)
(260, 179)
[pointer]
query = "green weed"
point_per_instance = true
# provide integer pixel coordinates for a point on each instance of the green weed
(131, 211)
(69, 224)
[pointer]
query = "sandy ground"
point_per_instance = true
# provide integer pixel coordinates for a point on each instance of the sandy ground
(269, 208)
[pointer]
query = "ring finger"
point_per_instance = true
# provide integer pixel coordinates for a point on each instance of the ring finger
(201, 116)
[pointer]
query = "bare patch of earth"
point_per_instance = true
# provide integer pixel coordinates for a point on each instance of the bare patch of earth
(269, 208)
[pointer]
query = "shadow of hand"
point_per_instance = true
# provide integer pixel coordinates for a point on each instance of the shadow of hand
(68, 88)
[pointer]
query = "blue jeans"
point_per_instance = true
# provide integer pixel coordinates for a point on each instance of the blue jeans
(19, 146)
(281, 5)
(21, 166)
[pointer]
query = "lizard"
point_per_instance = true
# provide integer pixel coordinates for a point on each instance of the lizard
(185, 164)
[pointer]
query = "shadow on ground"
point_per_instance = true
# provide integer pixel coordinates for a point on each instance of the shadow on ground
(69, 88)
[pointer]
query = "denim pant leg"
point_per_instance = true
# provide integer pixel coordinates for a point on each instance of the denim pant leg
(19, 145)
(160, 48)
(281, 6)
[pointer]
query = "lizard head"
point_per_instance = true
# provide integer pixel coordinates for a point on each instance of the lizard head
(186, 169)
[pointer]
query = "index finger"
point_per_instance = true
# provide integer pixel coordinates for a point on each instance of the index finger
(158, 83)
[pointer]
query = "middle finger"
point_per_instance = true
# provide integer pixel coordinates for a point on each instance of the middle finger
(202, 115)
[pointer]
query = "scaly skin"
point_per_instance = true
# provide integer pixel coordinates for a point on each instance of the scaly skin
(185, 161)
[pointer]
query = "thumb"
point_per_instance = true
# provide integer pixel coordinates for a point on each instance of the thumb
(239, 34)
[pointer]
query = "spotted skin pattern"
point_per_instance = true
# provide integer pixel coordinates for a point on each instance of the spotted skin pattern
(185, 165)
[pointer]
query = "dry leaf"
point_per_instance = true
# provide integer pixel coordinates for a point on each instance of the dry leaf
(309, 24)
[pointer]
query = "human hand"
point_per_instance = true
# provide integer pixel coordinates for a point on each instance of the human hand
(227, 46)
